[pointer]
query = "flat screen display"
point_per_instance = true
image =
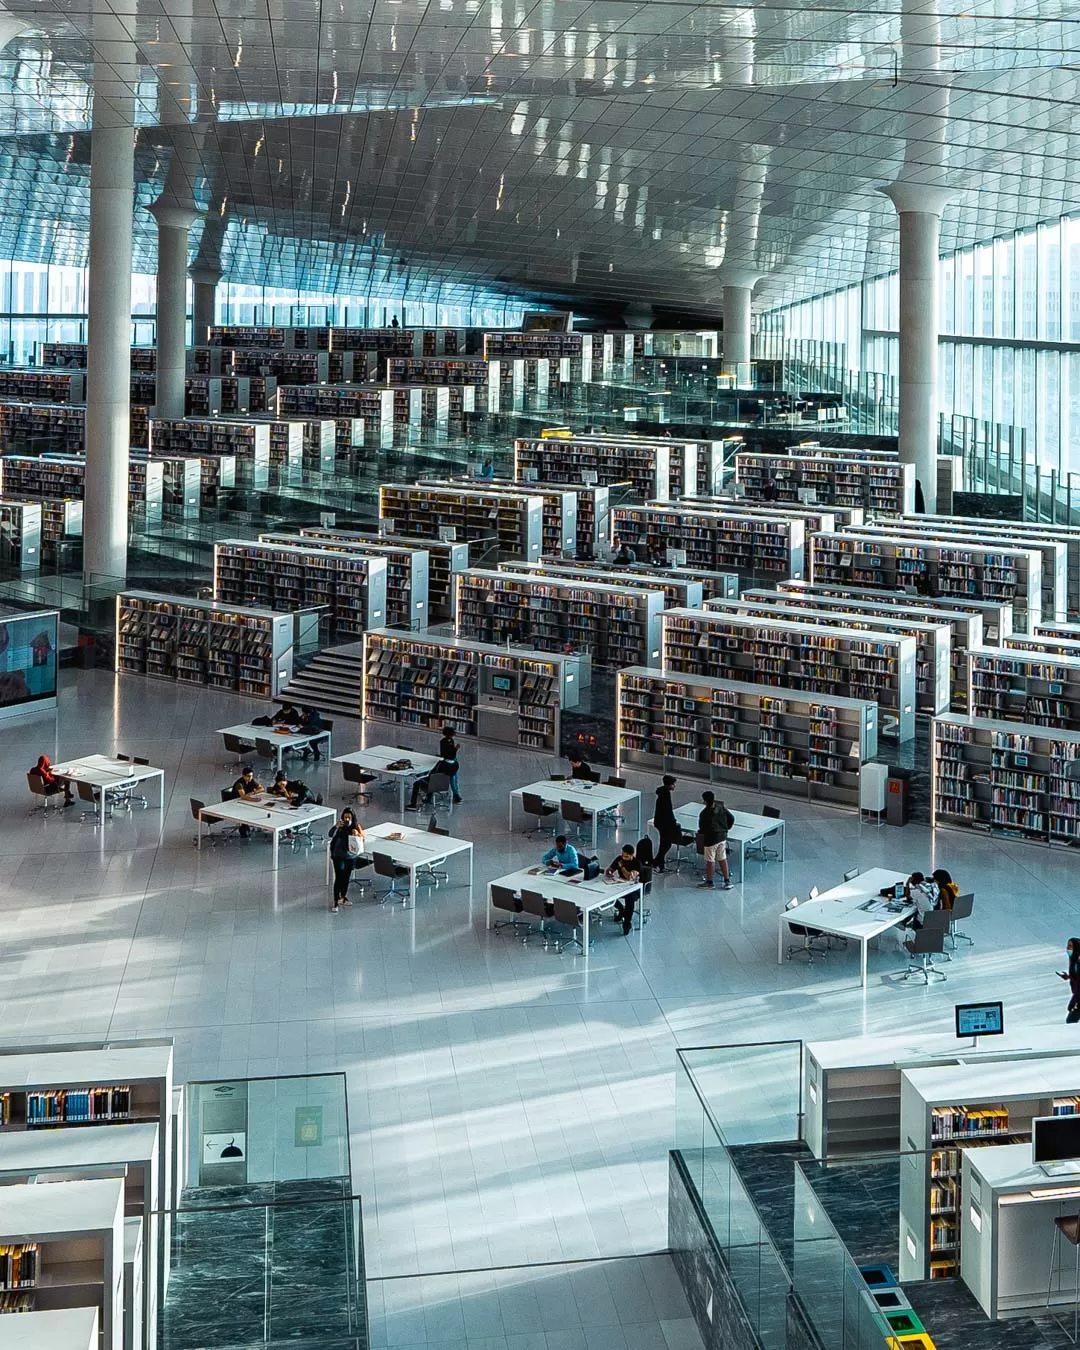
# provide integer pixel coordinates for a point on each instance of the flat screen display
(980, 1019)
(502, 684)
(28, 658)
(1055, 1138)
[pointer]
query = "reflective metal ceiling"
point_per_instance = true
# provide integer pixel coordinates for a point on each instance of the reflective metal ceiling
(592, 150)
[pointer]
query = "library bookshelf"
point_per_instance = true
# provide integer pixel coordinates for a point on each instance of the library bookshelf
(20, 534)
(62, 1247)
(651, 468)
(992, 775)
(1053, 593)
(879, 485)
(559, 532)
(753, 736)
(445, 560)
(432, 681)
(512, 523)
(680, 591)
(406, 573)
(799, 657)
(933, 654)
(947, 1109)
(756, 547)
(1027, 533)
(1035, 688)
(349, 588)
(948, 570)
(616, 625)
(246, 650)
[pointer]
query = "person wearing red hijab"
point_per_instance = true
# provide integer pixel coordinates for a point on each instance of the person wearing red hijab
(52, 783)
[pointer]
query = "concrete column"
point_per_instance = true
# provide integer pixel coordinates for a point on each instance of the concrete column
(108, 360)
(204, 282)
(920, 207)
(738, 291)
(173, 224)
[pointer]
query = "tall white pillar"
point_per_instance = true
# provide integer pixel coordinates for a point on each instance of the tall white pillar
(919, 207)
(204, 283)
(738, 293)
(108, 359)
(173, 224)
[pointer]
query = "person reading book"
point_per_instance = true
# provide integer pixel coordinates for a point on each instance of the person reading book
(563, 854)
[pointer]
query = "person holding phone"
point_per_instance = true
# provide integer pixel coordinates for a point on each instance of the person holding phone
(346, 845)
(562, 855)
(1072, 978)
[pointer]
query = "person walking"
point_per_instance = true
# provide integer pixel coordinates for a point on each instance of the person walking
(714, 821)
(1072, 978)
(343, 853)
(448, 750)
(667, 827)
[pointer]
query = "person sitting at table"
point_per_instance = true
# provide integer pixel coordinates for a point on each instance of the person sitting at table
(287, 716)
(247, 785)
(295, 791)
(312, 722)
(280, 786)
(49, 780)
(947, 889)
(625, 868)
(920, 893)
(422, 786)
(578, 767)
(623, 553)
(562, 855)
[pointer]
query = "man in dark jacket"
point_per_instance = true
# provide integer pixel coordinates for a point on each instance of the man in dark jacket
(667, 827)
(713, 824)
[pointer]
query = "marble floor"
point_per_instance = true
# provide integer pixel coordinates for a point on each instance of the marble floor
(508, 1106)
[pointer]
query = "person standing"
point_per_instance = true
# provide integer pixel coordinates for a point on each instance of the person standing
(448, 750)
(342, 856)
(667, 827)
(714, 821)
(1072, 978)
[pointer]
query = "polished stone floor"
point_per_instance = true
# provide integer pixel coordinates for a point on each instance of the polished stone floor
(508, 1106)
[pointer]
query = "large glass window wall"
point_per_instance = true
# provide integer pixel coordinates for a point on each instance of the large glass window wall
(1010, 335)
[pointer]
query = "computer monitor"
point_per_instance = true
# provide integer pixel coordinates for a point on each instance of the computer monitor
(980, 1019)
(502, 684)
(1055, 1139)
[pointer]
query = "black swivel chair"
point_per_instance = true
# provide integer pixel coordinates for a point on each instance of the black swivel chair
(573, 813)
(502, 897)
(809, 937)
(568, 914)
(761, 849)
(928, 942)
(532, 902)
(962, 907)
(237, 747)
(353, 773)
(534, 805)
(385, 866)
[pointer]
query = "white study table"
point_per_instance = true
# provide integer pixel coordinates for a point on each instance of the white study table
(594, 797)
(267, 813)
(109, 775)
(414, 849)
(55, 1329)
(376, 759)
(587, 895)
(839, 913)
(285, 739)
(748, 828)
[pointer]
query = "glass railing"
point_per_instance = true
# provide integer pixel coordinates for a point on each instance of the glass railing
(249, 1271)
(735, 1098)
(266, 1242)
